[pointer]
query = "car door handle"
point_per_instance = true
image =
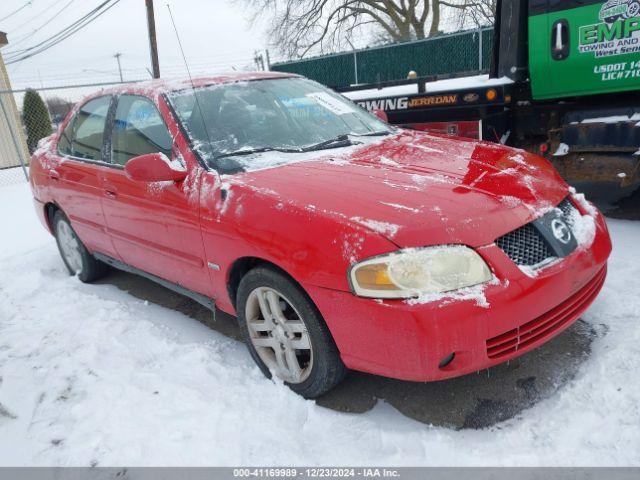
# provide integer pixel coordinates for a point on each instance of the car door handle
(54, 175)
(110, 191)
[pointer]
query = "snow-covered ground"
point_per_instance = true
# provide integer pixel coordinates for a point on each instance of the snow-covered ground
(91, 375)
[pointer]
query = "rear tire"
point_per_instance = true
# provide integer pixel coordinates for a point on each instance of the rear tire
(74, 254)
(286, 334)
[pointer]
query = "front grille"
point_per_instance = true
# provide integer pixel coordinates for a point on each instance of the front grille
(544, 326)
(525, 246)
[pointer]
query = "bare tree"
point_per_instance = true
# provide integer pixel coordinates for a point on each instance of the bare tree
(300, 26)
(473, 13)
(58, 108)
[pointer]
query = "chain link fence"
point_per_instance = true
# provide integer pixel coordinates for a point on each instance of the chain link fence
(13, 152)
(462, 52)
(12, 176)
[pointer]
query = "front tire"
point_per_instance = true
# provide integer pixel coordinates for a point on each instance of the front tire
(74, 254)
(286, 334)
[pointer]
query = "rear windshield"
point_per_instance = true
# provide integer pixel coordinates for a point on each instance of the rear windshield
(286, 115)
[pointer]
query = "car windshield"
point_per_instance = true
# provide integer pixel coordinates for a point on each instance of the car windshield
(232, 125)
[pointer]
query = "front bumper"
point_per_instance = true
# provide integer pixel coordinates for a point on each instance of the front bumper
(409, 342)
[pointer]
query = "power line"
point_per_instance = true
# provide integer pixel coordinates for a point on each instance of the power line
(61, 32)
(28, 35)
(75, 27)
(16, 11)
(31, 19)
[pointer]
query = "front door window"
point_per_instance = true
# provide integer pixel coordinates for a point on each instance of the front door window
(138, 129)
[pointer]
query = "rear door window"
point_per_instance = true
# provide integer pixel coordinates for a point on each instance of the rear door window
(66, 137)
(87, 130)
(138, 129)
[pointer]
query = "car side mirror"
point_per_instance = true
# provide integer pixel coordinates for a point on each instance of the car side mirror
(381, 114)
(153, 167)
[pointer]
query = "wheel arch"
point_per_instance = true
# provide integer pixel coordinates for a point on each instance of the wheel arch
(50, 209)
(241, 266)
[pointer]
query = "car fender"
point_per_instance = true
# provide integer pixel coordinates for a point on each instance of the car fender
(313, 246)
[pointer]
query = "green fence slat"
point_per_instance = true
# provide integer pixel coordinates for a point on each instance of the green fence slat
(442, 55)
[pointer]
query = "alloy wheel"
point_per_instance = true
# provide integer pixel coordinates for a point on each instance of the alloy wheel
(279, 335)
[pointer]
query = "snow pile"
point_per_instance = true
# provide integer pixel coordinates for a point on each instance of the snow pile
(563, 149)
(473, 294)
(92, 375)
(534, 271)
(400, 207)
(389, 230)
(586, 205)
(476, 81)
(177, 163)
(529, 271)
(511, 201)
(156, 188)
(611, 119)
(44, 145)
(520, 160)
(352, 244)
(401, 186)
(389, 162)
(583, 226)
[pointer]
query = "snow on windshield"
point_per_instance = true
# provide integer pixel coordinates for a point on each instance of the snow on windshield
(249, 125)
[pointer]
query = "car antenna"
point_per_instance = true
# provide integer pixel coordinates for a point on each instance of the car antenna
(195, 94)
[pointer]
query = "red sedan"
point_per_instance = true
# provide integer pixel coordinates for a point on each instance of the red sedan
(339, 241)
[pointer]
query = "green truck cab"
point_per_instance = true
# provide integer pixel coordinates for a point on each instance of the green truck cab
(583, 47)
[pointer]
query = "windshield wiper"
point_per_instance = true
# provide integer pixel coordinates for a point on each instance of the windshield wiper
(379, 133)
(251, 151)
(337, 142)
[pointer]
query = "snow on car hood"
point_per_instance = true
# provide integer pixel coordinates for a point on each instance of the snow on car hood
(417, 189)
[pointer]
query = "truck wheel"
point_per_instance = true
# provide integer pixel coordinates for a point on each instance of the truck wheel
(286, 334)
(74, 254)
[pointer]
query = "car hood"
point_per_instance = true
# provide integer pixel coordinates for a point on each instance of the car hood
(418, 189)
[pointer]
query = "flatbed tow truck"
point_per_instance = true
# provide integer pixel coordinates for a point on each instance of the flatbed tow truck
(564, 83)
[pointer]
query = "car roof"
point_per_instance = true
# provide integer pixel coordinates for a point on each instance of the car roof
(154, 88)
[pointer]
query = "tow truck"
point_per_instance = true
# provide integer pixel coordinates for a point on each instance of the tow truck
(564, 83)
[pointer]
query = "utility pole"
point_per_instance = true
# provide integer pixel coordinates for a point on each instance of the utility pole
(153, 44)
(268, 59)
(118, 55)
(259, 61)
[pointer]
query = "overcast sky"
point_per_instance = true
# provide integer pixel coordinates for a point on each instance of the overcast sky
(216, 35)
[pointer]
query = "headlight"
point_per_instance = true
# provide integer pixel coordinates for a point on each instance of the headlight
(411, 273)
